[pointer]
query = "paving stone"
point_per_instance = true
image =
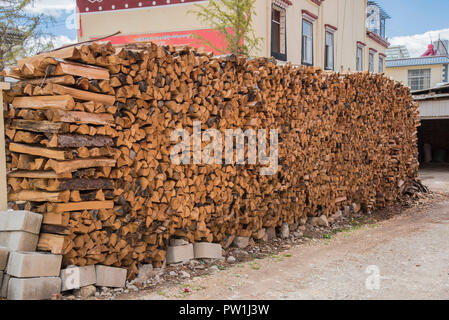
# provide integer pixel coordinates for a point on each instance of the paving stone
(77, 277)
(20, 221)
(110, 276)
(33, 288)
(4, 287)
(180, 253)
(34, 264)
(19, 240)
(241, 242)
(4, 253)
(207, 250)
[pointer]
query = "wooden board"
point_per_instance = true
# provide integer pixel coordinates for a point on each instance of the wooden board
(37, 151)
(80, 117)
(84, 95)
(64, 102)
(38, 174)
(38, 126)
(73, 165)
(79, 206)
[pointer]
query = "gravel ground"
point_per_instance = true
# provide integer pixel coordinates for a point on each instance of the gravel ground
(395, 254)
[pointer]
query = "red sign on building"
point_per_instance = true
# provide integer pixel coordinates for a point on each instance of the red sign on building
(85, 6)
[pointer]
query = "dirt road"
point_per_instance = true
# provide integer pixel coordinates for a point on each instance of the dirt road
(406, 257)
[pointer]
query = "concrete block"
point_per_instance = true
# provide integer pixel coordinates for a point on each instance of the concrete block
(77, 277)
(180, 253)
(241, 242)
(20, 221)
(19, 240)
(207, 250)
(4, 287)
(4, 253)
(33, 288)
(110, 276)
(34, 264)
(178, 242)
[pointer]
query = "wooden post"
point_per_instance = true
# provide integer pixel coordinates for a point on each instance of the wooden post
(3, 183)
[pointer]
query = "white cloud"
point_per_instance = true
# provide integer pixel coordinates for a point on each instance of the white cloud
(52, 7)
(418, 43)
(58, 41)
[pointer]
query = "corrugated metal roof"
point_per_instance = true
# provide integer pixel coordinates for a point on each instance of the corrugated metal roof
(422, 61)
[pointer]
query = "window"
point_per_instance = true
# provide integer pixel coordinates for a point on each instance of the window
(371, 62)
(307, 43)
(278, 43)
(419, 79)
(329, 51)
(381, 64)
(359, 59)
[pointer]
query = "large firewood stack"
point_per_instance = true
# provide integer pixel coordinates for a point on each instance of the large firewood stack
(88, 137)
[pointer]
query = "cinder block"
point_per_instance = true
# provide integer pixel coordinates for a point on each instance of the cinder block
(4, 252)
(34, 264)
(180, 253)
(4, 287)
(33, 288)
(77, 277)
(110, 276)
(207, 250)
(19, 240)
(20, 221)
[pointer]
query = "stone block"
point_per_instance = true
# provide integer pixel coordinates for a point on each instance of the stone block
(4, 287)
(33, 288)
(110, 276)
(4, 253)
(34, 264)
(180, 253)
(20, 221)
(241, 242)
(78, 277)
(207, 250)
(19, 240)
(271, 233)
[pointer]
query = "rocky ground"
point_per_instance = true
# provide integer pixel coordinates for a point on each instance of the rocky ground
(196, 278)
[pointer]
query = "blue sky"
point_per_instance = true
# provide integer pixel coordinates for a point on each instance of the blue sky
(413, 22)
(410, 17)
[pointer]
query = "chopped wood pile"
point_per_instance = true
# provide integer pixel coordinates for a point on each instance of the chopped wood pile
(88, 133)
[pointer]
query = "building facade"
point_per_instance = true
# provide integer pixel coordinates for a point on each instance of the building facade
(339, 35)
(428, 71)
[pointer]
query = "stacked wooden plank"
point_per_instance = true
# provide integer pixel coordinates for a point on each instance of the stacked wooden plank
(90, 132)
(60, 128)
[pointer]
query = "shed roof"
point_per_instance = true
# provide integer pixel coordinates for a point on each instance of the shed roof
(421, 61)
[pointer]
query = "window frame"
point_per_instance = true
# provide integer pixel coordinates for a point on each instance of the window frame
(283, 20)
(326, 66)
(426, 79)
(381, 66)
(359, 49)
(303, 51)
(371, 61)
